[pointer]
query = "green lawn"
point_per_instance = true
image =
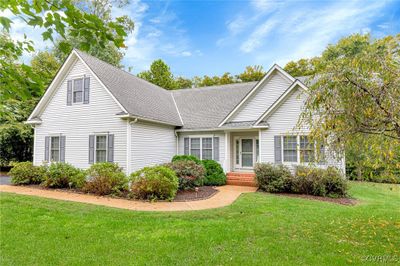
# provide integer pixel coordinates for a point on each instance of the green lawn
(257, 229)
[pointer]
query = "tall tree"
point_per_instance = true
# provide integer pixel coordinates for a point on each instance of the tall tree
(56, 18)
(302, 67)
(107, 51)
(357, 93)
(183, 83)
(159, 74)
(252, 73)
(16, 137)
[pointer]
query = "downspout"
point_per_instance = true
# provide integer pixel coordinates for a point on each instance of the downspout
(177, 142)
(129, 144)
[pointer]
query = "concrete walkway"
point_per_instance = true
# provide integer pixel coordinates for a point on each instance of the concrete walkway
(225, 196)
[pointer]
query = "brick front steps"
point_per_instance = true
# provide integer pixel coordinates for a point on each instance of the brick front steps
(241, 179)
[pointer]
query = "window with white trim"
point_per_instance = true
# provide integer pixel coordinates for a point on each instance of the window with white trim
(306, 150)
(290, 148)
(101, 148)
(55, 149)
(77, 95)
(202, 147)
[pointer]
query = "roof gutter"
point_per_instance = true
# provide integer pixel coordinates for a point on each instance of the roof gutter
(135, 117)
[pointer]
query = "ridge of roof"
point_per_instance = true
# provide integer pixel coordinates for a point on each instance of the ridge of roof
(138, 96)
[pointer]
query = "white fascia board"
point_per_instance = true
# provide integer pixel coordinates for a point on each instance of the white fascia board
(280, 100)
(258, 85)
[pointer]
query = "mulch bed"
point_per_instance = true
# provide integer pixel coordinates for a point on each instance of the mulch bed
(187, 195)
(191, 195)
(341, 201)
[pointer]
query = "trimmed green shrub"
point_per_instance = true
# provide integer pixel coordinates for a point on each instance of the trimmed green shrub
(189, 173)
(309, 181)
(25, 173)
(335, 183)
(186, 158)
(319, 182)
(106, 178)
(152, 183)
(215, 175)
(273, 178)
(63, 175)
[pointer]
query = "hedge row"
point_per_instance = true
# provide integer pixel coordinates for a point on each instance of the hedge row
(306, 180)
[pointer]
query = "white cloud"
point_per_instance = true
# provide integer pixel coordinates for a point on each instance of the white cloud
(256, 38)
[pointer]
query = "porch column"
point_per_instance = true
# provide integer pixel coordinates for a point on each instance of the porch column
(227, 161)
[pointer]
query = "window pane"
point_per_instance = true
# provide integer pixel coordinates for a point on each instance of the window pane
(54, 156)
(77, 96)
(78, 90)
(247, 145)
(195, 152)
(290, 148)
(101, 156)
(247, 159)
(195, 143)
(290, 142)
(207, 154)
(101, 142)
(290, 156)
(55, 143)
(207, 143)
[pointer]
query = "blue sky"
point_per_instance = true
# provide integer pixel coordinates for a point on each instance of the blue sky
(213, 37)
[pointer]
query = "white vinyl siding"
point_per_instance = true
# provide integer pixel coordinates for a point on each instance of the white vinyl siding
(282, 122)
(262, 98)
(78, 121)
(151, 144)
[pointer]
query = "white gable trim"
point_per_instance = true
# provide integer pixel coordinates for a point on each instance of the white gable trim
(71, 59)
(102, 84)
(258, 85)
(272, 108)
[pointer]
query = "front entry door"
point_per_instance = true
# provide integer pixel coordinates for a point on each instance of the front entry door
(247, 153)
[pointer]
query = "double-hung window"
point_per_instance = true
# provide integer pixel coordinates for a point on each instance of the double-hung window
(306, 150)
(78, 90)
(290, 148)
(101, 148)
(55, 149)
(202, 147)
(207, 149)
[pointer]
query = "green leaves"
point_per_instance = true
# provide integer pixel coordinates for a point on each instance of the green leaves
(93, 29)
(6, 23)
(356, 95)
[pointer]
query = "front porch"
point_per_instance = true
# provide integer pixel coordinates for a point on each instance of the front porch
(243, 149)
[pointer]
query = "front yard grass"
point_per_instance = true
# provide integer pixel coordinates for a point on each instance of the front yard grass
(258, 229)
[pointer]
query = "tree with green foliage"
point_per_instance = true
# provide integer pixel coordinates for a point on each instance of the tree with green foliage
(107, 51)
(16, 138)
(302, 67)
(183, 83)
(356, 96)
(159, 74)
(252, 73)
(45, 64)
(57, 18)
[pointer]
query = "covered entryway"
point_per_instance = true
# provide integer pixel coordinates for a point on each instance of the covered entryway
(244, 154)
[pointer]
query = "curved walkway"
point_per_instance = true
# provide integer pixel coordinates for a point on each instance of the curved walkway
(225, 196)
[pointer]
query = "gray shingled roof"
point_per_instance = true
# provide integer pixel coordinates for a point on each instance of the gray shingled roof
(199, 108)
(206, 107)
(137, 96)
